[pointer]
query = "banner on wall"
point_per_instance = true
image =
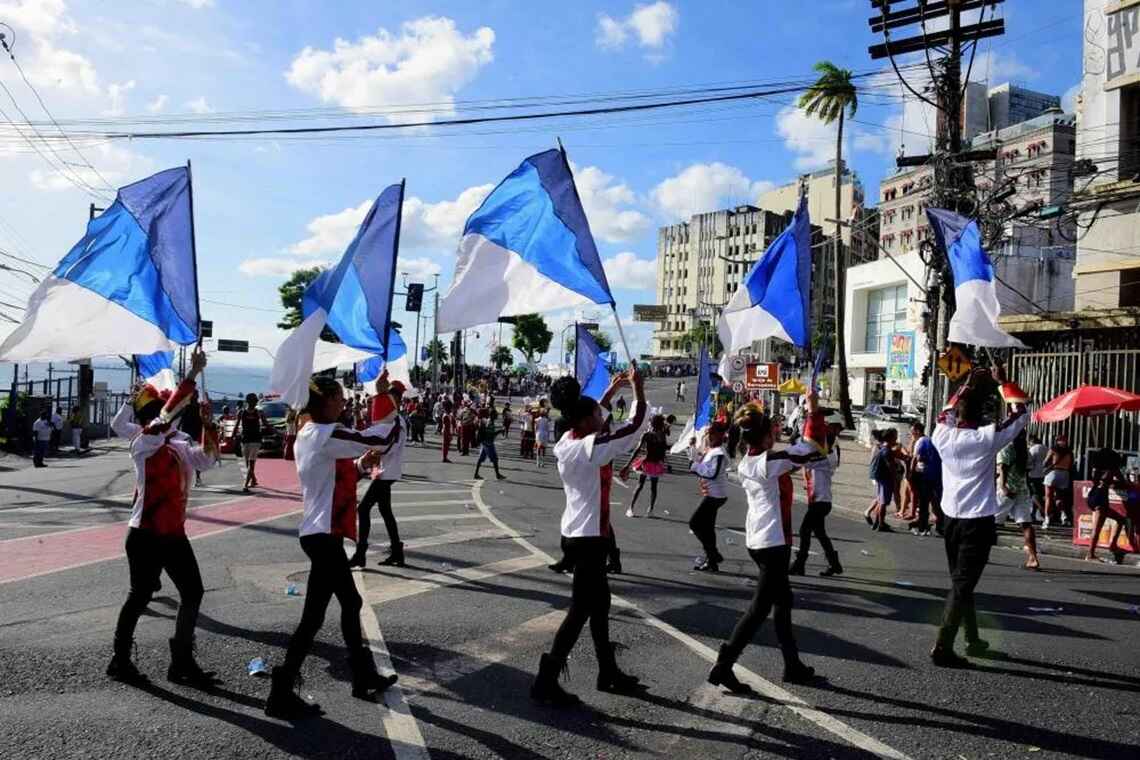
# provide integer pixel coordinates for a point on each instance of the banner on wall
(900, 356)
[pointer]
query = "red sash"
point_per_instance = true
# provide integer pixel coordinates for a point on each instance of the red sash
(164, 501)
(343, 521)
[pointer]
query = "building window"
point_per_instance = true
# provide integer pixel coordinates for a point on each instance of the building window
(1129, 132)
(886, 313)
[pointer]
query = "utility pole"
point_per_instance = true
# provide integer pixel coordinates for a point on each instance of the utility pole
(953, 179)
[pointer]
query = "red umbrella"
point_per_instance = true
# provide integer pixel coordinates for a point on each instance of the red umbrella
(1088, 400)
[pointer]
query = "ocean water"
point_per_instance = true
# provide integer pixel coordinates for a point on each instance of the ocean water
(222, 381)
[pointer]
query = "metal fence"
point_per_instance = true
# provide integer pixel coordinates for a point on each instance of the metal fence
(1047, 375)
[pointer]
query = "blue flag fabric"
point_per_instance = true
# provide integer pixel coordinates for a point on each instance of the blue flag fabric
(776, 296)
(354, 299)
(157, 369)
(702, 414)
(128, 287)
(975, 319)
(527, 248)
(591, 364)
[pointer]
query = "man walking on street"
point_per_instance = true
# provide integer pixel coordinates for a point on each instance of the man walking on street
(681, 390)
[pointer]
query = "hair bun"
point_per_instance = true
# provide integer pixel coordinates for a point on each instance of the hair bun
(564, 395)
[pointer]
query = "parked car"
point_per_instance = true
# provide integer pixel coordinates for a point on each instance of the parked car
(273, 413)
(888, 413)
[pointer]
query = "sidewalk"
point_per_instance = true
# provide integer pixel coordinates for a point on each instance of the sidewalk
(10, 462)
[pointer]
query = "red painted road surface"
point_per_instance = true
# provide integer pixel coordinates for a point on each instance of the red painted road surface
(22, 558)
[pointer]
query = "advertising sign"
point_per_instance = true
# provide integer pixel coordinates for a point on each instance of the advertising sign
(762, 377)
(900, 356)
(643, 312)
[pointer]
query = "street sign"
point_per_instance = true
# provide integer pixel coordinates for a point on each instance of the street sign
(738, 387)
(207, 328)
(650, 312)
(762, 377)
(240, 346)
(954, 364)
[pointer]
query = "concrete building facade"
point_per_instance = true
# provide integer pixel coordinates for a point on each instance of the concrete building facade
(821, 197)
(986, 109)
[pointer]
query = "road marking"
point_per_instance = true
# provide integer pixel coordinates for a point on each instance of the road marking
(405, 587)
(400, 725)
(441, 503)
(791, 701)
(441, 516)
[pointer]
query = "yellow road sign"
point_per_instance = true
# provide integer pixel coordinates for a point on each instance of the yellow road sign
(954, 364)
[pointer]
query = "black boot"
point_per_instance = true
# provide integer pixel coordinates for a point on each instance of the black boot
(610, 677)
(833, 566)
(707, 565)
(798, 565)
(122, 669)
(396, 557)
(561, 566)
(794, 669)
(614, 565)
(546, 688)
(359, 556)
(185, 670)
(284, 702)
(722, 675)
(366, 682)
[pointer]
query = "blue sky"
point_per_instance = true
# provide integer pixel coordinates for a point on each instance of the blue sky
(266, 205)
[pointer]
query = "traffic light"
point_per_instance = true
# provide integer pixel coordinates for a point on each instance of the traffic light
(415, 296)
(207, 328)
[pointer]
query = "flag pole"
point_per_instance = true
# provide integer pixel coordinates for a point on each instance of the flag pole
(392, 282)
(194, 248)
(621, 335)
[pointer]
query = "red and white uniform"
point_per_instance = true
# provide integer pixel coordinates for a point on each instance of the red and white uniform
(165, 463)
(328, 472)
(769, 521)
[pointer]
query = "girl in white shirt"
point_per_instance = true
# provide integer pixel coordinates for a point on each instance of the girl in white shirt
(768, 531)
(585, 457)
(712, 468)
(329, 457)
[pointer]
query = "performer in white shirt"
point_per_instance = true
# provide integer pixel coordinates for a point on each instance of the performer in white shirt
(712, 469)
(969, 500)
(585, 457)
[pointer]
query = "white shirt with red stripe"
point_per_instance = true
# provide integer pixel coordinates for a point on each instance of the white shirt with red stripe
(766, 525)
(317, 452)
(583, 466)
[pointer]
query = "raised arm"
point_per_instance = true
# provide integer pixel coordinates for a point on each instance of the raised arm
(123, 423)
(639, 408)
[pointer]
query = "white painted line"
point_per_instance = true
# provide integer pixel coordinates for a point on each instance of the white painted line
(440, 503)
(769, 689)
(447, 516)
(400, 725)
(404, 587)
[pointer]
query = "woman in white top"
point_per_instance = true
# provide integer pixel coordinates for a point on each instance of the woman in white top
(713, 472)
(768, 536)
(585, 457)
(330, 457)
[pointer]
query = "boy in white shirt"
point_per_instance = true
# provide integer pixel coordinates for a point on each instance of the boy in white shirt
(712, 470)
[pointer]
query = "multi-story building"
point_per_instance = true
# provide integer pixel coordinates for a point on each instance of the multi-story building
(985, 109)
(821, 197)
(1108, 147)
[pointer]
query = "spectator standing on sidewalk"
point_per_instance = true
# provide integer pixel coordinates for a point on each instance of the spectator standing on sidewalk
(926, 469)
(1058, 481)
(56, 429)
(41, 437)
(1036, 478)
(883, 474)
(969, 452)
(75, 422)
(1016, 499)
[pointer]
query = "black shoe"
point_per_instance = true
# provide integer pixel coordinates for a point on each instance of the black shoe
(722, 675)
(617, 682)
(185, 670)
(500, 476)
(284, 702)
(977, 648)
(797, 567)
(366, 682)
(395, 558)
(797, 672)
(560, 566)
(833, 566)
(546, 688)
(613, 567)
(707, 566)
(121, 669)
(945, 658)
(359, 556)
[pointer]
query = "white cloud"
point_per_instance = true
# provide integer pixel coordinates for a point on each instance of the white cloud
(418, 269)
(118, 165)
(198, 105)
(429, 60)
(705, 187)
(198, 4)
(603, 199)
(652, 25)
(158, 105)
(626, 270)
(808, 137)
(996, 67)
(277, 267)
(117, 94)
(331, 233)
(44, 24)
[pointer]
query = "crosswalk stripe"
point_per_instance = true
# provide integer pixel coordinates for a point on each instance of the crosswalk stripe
(400, 589)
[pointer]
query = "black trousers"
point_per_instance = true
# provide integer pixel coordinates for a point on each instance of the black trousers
(968, 544)
(589, 599)
(329, 576)
(814, 522)
(924, 492)
(148, 554)
(773, 594)
(379, 493)
(703, 524)
(613, 554)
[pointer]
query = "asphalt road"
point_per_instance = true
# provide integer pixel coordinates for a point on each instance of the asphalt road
(465, 623)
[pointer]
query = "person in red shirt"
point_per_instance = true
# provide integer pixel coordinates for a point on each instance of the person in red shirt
(165, 461)
(448, 426)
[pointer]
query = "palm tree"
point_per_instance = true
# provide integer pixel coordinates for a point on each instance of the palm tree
(501, 357)
(831, 98)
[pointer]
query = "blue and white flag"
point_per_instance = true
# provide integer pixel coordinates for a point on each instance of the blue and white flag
(774, 297)
(354, 299)
(526, 249)
(703, 405)
(591, 364)
(369, 370)
(128, 287)
(975, 319)
(157, 369)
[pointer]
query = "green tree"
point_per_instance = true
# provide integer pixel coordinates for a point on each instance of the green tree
(703, 334)
(501, 357)
(603, 340)
(291, 291)
(832, 97)
(436, 351)
(532, 336)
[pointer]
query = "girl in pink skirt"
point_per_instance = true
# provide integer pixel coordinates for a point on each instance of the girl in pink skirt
(655, 444)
